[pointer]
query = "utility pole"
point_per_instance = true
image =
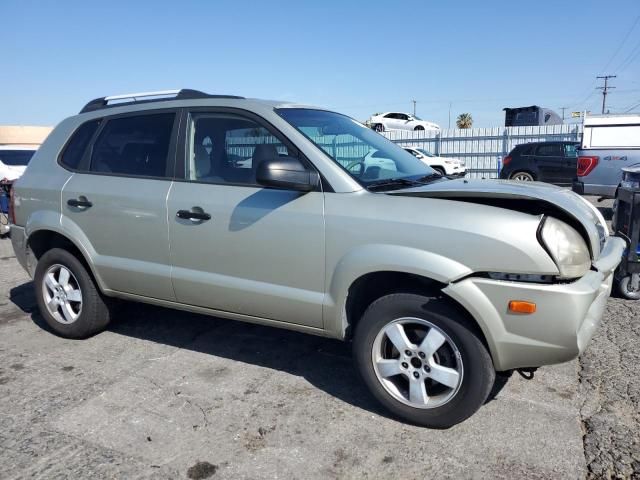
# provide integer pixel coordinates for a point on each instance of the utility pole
(414, 107)
(563, 109)
(605, 88)
(449, 115)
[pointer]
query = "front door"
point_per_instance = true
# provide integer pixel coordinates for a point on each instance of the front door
(116, 204)
(236, 246)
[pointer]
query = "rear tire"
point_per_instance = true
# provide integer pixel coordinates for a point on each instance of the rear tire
(67, 296)
(411, 387)
(522, 176)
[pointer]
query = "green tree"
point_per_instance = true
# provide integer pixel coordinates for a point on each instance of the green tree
(464, 120)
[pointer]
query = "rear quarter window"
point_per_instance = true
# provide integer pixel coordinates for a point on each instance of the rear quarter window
(77, 144)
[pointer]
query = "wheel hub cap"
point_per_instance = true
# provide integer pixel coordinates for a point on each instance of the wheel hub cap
(62, 294)
(417, 363)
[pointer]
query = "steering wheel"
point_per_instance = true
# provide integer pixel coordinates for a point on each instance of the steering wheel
(355, 164)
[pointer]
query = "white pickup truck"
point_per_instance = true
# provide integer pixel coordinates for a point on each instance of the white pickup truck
(609, 143)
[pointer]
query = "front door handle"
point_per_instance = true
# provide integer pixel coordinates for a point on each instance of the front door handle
(193, 215)
(81, 202)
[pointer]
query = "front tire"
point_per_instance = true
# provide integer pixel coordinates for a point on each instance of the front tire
(378, 127)
(626, 289)
(422, 360)
(418, 128)
(67, 296)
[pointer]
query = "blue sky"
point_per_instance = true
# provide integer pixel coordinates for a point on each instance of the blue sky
(357, 57)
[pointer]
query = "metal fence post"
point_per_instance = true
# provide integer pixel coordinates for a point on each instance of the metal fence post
(438, 143)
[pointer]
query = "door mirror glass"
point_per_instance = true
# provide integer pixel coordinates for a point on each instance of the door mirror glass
(287, 173)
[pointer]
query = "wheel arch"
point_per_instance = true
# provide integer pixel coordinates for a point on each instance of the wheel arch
(41, 240)
(371, 286)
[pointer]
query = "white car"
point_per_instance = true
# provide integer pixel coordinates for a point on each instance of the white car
(444, 165)
(399, 121)
(14, 160)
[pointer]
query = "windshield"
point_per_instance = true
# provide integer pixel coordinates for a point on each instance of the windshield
(365, 155)
(424, 152)
(16, 157)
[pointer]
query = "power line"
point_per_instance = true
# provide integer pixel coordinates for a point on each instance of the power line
(629, 59)
(624, 40)
(605, 89)
(628, 109)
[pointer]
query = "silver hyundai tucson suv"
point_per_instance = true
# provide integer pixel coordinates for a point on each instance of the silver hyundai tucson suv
(267, 212)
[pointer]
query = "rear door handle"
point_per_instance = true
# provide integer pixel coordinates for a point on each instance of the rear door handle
(191, 215)
(79, 202)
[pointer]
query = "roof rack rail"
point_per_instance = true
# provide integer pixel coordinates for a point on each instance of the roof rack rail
(183, 94)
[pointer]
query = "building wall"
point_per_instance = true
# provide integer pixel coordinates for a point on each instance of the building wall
(23, 134)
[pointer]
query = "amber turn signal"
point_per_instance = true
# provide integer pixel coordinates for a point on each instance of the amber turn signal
(520, 306)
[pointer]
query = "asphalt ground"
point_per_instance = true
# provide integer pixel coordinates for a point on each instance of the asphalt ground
(169, 394)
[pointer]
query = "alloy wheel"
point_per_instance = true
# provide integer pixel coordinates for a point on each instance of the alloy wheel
(417, 363)
(62, 294)
(522, 177)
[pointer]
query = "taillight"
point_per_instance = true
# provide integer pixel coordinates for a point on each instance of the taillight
(506, 160)
(586, 165)
(12, 213)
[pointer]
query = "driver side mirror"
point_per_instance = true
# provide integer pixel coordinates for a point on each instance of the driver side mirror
(286, 173)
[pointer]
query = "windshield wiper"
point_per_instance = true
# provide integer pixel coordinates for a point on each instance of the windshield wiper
(393, 182)
(404, 182)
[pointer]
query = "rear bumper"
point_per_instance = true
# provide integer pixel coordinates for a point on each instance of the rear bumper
(583, 188)
(566, 318)
(19, 243)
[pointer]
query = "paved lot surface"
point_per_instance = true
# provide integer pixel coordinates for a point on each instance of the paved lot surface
(167, 394)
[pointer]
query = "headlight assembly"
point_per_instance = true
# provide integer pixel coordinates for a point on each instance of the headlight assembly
(566, 247)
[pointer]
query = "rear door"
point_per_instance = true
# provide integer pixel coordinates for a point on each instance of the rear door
(550, 162)
(246, 249)
(115, 202)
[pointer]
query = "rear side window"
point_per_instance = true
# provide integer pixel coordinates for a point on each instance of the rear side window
(136, 146)
(76, 147)
(16, 157)
(553, 150)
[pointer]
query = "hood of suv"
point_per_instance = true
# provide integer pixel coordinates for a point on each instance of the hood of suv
(531, 197)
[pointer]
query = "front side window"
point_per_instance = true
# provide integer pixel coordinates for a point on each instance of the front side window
(227, 148)
(365, 155)
(74, 151)
(136, 146)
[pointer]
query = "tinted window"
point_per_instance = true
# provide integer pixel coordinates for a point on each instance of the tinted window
(227, 148)
(76, 147)
(16, 157)
(552, 150)
(134, 146)
(570, 150)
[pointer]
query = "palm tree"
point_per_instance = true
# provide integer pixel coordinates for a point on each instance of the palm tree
(464, 120)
